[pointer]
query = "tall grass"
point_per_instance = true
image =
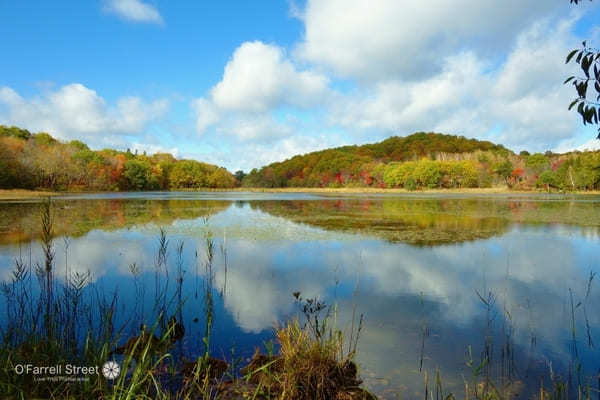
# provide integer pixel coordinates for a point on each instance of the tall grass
(494, 374)
(51, 322)
(74, 321)
(316, 359)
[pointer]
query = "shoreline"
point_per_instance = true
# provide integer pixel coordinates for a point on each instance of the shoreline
(22, 194)
(19, 194)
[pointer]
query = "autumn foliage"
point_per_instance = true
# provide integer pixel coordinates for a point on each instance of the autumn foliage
(418, 161)
(38, 160)
(431, 160)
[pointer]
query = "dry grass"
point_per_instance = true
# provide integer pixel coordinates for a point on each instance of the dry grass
(313, 369)
(368, 190)
(306, 368)
(17, 194)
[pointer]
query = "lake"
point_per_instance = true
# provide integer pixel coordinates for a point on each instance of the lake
(443, 281)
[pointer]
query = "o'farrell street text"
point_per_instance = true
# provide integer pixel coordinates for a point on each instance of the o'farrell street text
(67, 369)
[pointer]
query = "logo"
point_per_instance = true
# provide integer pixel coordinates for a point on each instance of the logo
(111, 370)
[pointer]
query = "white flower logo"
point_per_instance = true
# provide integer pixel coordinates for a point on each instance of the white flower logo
(111, 370)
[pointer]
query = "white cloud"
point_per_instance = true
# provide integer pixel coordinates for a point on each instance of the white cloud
(75, 111)
(592, 144)
(480, 69)
(259, 77)
(255, 128)
(133, 113)
(207, 114)
(245, 155)
(407, 106)
(523, 98)
(408, 39)
(10, 97)
(571, 145)
(257, 154)
(134, 10)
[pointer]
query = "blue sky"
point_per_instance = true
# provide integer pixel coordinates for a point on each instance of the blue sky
(241, 84)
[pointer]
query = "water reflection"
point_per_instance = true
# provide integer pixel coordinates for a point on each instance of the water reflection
(275, 248)
(19, 221)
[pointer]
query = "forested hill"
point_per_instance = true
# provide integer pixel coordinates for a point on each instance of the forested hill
(31, 161)
(431, 160)
(417, 146)
(356, 164)
(421, 160)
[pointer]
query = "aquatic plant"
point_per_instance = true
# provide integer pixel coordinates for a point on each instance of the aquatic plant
(78, 326)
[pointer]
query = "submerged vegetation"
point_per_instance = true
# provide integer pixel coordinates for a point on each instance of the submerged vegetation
(423, 221)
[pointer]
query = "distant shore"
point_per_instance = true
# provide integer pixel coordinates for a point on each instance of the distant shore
(19, 194)
(359, 190)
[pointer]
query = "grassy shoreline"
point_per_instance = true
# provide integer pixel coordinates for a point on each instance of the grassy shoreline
(20, 194)
(17, 194)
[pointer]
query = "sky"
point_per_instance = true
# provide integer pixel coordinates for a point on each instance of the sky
(241, 84)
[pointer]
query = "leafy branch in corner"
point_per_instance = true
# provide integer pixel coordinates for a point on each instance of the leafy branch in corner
(588, 59)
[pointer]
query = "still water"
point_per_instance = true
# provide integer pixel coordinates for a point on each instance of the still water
(437, 277)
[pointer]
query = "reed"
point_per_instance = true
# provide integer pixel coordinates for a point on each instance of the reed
(81, 324)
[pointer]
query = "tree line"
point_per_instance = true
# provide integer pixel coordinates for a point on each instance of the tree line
(31, 161)
(419, 161)
(432, 160)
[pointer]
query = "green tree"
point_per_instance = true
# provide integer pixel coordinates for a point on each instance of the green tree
(44, 138)
(5, 176)
(462, 174)
(538, 162)
(427, 173)
(396, 174)
(187, 174)
(220, 178)
(547, 179)
(239, 176)
(503, 169)
(14, 131)
(410, 183)
(79, 145)
(137, 173)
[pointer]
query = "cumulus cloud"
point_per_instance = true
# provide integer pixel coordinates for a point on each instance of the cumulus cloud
(520, 102)
(266, 153)
(206, 112)
(257, 127)
(408, 39)
(257, 79)
(246, 155)
(476, 68)
(134, 10)
(571, 145)
(75, 111)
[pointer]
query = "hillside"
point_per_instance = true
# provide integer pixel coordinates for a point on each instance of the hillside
(30, 161)
(431, 160)
(420, 160)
